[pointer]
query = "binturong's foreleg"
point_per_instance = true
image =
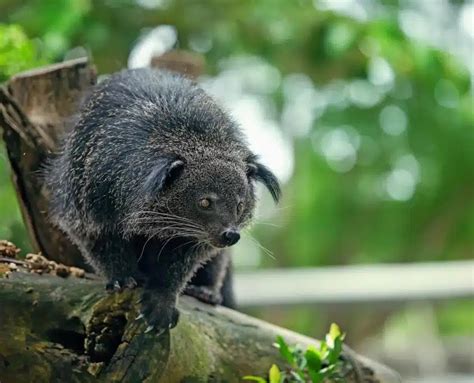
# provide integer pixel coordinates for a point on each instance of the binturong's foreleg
(173, 270)
(113, 257)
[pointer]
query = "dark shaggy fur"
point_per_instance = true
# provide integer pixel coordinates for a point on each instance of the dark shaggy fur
(129, 184)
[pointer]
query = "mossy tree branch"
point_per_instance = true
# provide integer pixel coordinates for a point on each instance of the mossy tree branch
(70, 330)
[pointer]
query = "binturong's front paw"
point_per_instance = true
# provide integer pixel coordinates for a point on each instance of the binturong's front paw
(119, 284)
(159, 312)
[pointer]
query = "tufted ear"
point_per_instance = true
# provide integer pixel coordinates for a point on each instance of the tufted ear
(165, 171)
(261, 173)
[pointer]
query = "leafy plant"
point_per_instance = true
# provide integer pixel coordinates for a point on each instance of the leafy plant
(314, 364)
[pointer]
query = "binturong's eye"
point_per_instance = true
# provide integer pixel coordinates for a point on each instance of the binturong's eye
(240, 208)
(204, 203)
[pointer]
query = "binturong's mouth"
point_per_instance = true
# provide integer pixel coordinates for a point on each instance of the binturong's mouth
(226, 238)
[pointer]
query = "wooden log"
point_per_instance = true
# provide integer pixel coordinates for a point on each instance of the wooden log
(70, 330)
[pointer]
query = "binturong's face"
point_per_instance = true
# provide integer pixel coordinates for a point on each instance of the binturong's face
(216, 198)
(208, 202)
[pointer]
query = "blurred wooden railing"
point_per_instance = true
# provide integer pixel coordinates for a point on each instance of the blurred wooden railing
(371, 284)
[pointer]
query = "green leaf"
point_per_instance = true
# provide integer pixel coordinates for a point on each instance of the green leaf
(315, 377)
(285, 351)
(296, 377)
(299, 357)
(335, 352)
(254, 379)
(334, 331)
(323, 350)
(313, 359)
(334, 335)
(274, 374)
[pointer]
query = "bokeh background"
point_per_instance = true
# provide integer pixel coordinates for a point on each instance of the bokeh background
(364, 110)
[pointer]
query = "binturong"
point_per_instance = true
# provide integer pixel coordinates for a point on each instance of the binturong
(153, 184)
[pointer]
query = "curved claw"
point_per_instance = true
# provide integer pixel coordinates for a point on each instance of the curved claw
(131, 283)
(140, 316)
(120, 284)
(149, 329)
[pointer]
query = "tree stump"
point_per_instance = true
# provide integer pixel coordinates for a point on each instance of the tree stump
(36, 108)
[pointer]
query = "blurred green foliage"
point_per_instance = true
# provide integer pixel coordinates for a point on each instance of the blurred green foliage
(383, 173)
(455, 318)
(17, 52)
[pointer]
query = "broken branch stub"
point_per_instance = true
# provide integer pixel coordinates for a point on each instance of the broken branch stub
(36, 109)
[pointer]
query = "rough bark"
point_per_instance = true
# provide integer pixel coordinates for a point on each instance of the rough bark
(70, 330)
(35, 110)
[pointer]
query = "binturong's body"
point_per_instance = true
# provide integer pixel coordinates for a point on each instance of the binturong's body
(153, 183)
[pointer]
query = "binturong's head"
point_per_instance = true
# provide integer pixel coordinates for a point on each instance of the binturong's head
(204, 200)
(194, 176)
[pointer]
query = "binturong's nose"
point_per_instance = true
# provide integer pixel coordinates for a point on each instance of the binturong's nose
(230, 237)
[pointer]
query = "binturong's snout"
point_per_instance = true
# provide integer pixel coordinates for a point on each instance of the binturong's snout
(229, 237)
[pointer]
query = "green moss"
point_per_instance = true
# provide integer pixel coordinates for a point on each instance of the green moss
(198, 349)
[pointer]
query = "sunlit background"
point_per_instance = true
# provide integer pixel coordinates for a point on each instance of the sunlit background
(364, 110)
